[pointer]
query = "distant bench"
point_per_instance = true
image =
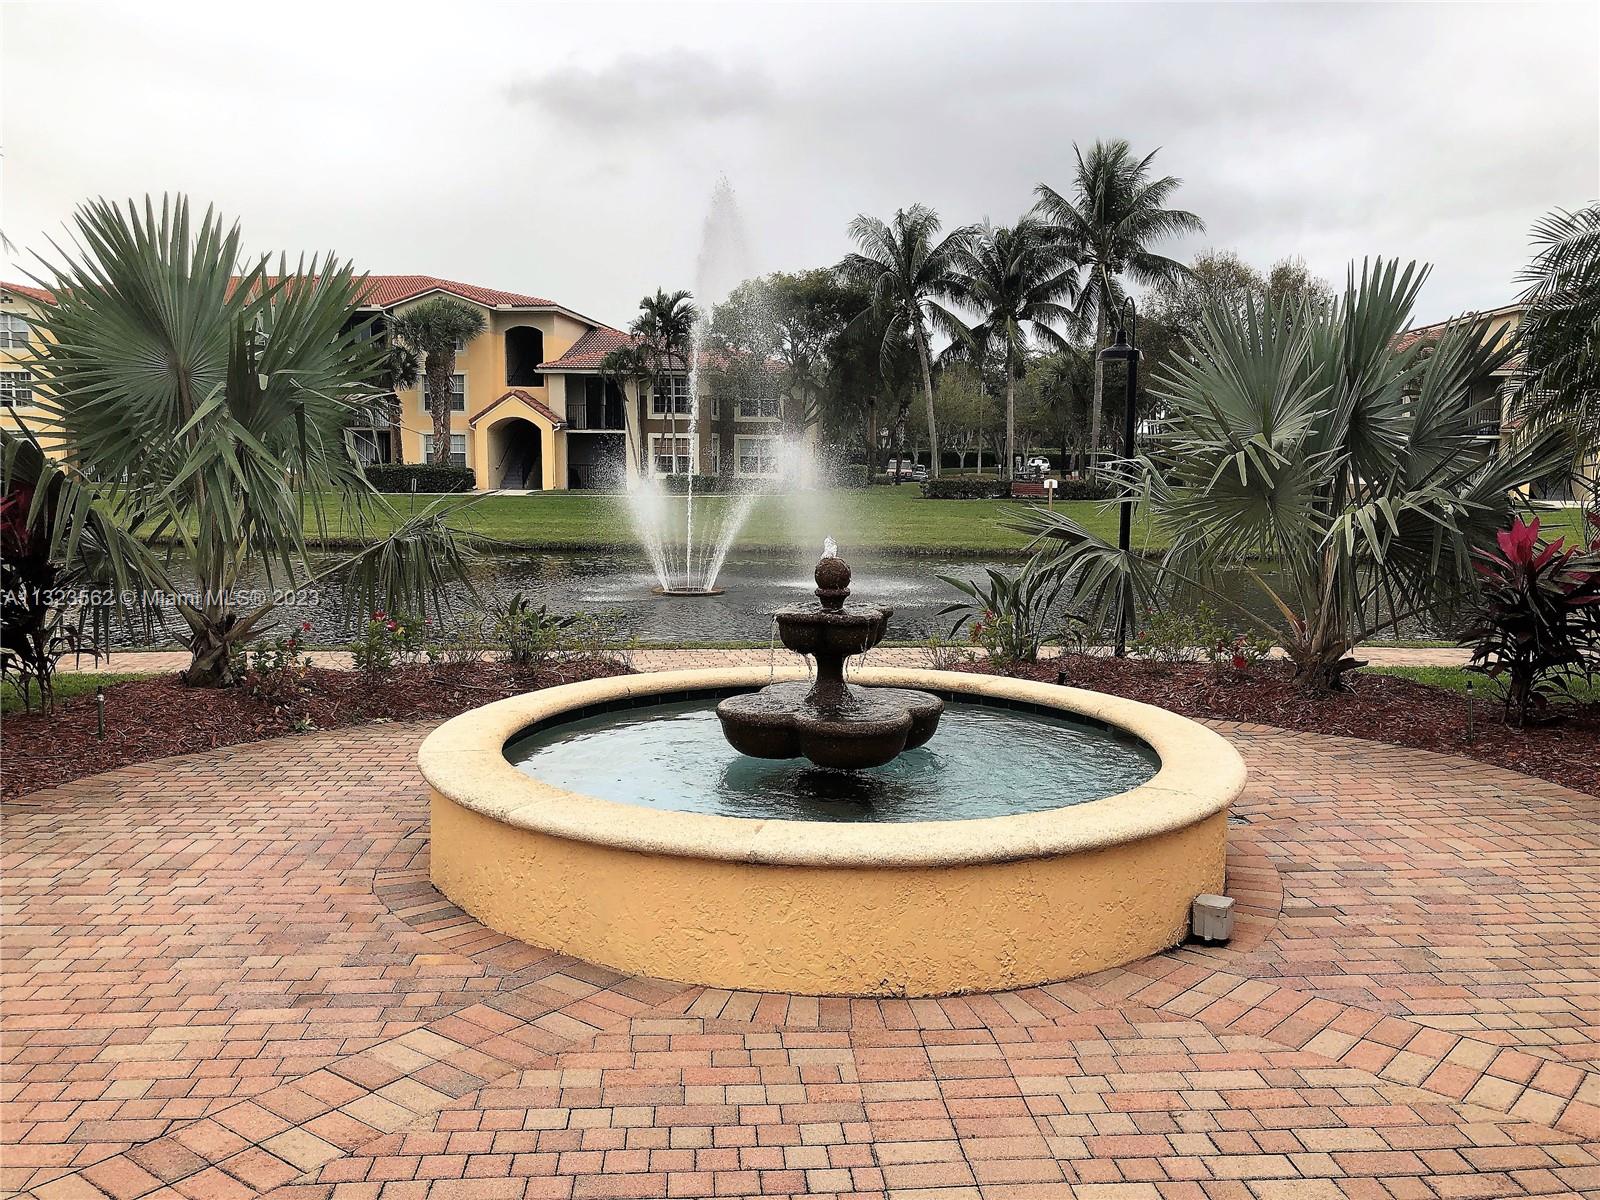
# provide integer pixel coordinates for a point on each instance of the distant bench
(1027, 489)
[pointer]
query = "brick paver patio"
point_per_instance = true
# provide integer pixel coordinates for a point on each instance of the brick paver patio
(226, 975)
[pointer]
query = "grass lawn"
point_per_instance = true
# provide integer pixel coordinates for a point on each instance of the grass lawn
(68, 686)
(878, 520)
(1455, 679)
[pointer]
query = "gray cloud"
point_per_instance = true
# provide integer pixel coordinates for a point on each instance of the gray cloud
(570, 151)
(666, 87)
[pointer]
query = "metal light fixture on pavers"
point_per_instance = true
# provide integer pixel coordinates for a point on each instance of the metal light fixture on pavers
(1211, 918)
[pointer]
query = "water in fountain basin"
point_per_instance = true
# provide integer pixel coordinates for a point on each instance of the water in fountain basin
(986, 762)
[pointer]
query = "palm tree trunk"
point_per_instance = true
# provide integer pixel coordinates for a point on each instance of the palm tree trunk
(439, 368)
(927, 392)
(1099, 390)
(1010, 471)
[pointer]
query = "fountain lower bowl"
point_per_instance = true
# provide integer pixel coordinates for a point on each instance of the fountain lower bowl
(686, 591)
(911, 909)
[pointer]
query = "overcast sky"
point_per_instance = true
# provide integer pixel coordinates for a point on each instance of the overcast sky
(571, 150)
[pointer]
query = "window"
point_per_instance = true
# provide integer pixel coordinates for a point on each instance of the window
(458, 449)
(458, 392)
(671, 396)
(368, 445)
(756, 455)
(14, 332)
(754, 408)
(670, 456)
(15, 388)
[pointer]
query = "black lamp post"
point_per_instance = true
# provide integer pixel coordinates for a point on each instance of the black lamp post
(1123, 350)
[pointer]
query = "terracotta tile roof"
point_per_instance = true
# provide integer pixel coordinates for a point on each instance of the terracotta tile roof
(586, 353)
(30, 293)
(386, 290)
(382, 291)
(533, 402)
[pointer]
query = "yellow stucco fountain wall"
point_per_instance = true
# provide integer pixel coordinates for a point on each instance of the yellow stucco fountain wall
(914, 909)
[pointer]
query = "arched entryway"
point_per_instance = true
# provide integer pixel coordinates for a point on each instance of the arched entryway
(516, 455)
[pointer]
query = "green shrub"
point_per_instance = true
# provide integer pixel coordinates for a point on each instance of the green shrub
(853, 475)
(278, 673)
(1084, 489)
(529, 636)
(882, 479)
(1195, 634)
(967, 487)
(1012, 613)
(428, 477)
(385, 643)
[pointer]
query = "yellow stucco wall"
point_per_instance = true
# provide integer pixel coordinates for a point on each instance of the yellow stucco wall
(825, 930)
(12, 359)
(908, 909)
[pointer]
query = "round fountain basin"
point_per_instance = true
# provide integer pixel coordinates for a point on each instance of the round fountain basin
(1067, 836)
(687, 591)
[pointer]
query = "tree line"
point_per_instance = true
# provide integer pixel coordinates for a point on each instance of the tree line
(993, 327)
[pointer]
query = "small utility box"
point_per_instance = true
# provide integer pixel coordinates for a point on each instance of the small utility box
(1211, 918)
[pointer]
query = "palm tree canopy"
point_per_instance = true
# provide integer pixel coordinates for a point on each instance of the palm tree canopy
(436, 324)
(1316, 439)
(199, 398)
(665, 329)
(1018, 278)
(910, 272)
(1560, 330)
(1114, 213)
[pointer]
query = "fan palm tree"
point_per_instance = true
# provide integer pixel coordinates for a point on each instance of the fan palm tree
(433, 328)
(1310, 443)
(1020, 279)
(911, 273)
(213, 395)
(1115, 212)
(1560, 330)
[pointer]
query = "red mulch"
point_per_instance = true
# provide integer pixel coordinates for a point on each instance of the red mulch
(1382, 708)
(152, 718)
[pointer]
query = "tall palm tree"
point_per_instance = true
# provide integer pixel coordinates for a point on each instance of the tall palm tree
(1113, 215)
(432, 329)
(212, 394)
(663, 340)
(1019, 278)
(910, 273)
(1560, 330)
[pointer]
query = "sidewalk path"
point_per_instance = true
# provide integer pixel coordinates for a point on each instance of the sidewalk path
(158, 661)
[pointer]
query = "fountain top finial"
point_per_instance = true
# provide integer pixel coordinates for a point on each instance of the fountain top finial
(833, 582)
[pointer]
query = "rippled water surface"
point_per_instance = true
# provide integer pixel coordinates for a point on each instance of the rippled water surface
(983, 762)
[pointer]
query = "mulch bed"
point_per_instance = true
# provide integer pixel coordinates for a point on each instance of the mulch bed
(1382, 708)
(152, 718)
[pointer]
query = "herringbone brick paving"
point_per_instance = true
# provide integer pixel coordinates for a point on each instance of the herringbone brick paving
(227, 975)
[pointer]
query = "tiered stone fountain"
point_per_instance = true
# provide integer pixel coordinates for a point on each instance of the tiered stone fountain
(831, 722)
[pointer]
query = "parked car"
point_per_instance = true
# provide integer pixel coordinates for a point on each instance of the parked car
(906, 469)
(1038, 466)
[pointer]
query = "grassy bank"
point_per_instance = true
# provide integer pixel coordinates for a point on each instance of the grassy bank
(878, 520)
(1456, 679)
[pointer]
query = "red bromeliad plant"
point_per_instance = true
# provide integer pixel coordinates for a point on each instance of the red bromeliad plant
(1539, 627)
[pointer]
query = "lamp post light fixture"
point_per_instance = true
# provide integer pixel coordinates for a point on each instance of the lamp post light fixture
(100, 711)
(1122, 349)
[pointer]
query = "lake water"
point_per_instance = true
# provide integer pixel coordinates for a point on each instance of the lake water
(620, 585)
